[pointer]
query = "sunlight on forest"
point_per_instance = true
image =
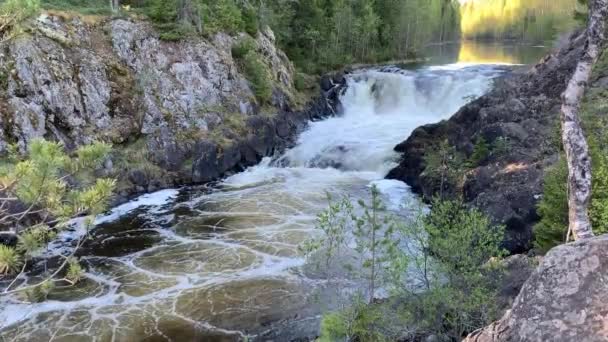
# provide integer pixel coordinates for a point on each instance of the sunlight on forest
(480, 53)
(524, 19)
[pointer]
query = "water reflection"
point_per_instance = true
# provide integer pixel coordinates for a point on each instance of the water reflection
(477, 52)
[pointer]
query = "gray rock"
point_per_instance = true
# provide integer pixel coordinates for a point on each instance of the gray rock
(564, 299)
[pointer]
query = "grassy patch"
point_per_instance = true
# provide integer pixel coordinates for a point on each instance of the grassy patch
(86, 7)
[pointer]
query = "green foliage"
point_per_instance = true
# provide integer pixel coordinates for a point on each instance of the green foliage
(356, 322)
(250, 21)
(551, 230)
(10, 260)
(300, 82)
(164, 15)
(39, 293)
(32, 240)
(39, 181)
(333, 223)
(461, 238)
(12, 13)
(481, 151)
(444, 165)
(242, 47)
(87, 7)
(222, 15)
(19, 9)
(435, 265)
(75, 271)
(501, 147)
(258, 76)
(553, 207)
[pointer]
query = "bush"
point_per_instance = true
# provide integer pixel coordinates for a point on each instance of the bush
(222, 15)
(258, 76)
(101, 7)
(300, 82)
(242, 47)
(436, 267)
(481, 151)
(250, 21)
(12, 13)
(551, 230)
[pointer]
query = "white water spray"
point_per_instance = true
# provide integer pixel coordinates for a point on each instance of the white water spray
(229, 257)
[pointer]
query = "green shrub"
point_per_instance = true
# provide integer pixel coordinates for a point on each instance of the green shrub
(242, 47)
(551, 230)
(20, 9)
(10, 260)
(481, 151)
(222, 15)
(250, 21)
(437, 268)
(99, 7)
(258, 76)
(299, 82)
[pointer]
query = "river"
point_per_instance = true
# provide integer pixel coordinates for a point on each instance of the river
(221, 262)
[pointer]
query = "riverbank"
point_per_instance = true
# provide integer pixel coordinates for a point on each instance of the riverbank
(504, 141)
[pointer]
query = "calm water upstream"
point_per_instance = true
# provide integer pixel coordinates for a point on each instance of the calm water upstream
(220, 263)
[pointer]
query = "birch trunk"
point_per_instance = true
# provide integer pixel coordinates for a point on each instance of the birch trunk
(575, 145)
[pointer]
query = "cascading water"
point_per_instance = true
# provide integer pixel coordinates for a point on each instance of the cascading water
(223, 263)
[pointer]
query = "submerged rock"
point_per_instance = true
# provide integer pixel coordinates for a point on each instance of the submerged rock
(522, 113)
(564, 299)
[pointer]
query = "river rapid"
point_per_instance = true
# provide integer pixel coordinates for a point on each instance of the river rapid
(221, 262)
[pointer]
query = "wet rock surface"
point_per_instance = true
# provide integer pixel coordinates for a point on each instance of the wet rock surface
(564, 299)
(523, 111)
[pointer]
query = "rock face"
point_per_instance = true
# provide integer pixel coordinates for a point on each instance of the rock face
(176, 112)
(564, 299)
(522, 112)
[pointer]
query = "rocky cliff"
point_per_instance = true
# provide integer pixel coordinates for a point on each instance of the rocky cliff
(521, 114)
(564, 299)
(176, 112)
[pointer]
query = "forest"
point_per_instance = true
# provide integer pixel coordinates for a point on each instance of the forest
(320, 35)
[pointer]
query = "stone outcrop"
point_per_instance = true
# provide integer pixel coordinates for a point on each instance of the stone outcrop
(522, 111)
(176, 112)
(564, 299)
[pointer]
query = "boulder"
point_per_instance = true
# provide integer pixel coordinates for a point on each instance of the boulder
(564, 299)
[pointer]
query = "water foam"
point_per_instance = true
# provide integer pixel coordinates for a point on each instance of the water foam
(343, 155)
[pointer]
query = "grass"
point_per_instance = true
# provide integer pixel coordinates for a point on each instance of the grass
(86, 7)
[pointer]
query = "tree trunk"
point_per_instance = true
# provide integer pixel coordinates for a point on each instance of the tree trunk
(575, 145)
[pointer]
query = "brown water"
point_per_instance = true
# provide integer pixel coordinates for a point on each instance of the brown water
(221, 263)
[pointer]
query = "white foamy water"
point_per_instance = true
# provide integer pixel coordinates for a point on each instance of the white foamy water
(203, 265)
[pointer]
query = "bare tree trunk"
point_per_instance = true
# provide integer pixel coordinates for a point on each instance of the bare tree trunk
(575, 145)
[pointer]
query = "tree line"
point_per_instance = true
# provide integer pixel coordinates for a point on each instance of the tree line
(316, 34)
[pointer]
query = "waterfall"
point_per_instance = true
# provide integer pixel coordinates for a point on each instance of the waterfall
(217, 262)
